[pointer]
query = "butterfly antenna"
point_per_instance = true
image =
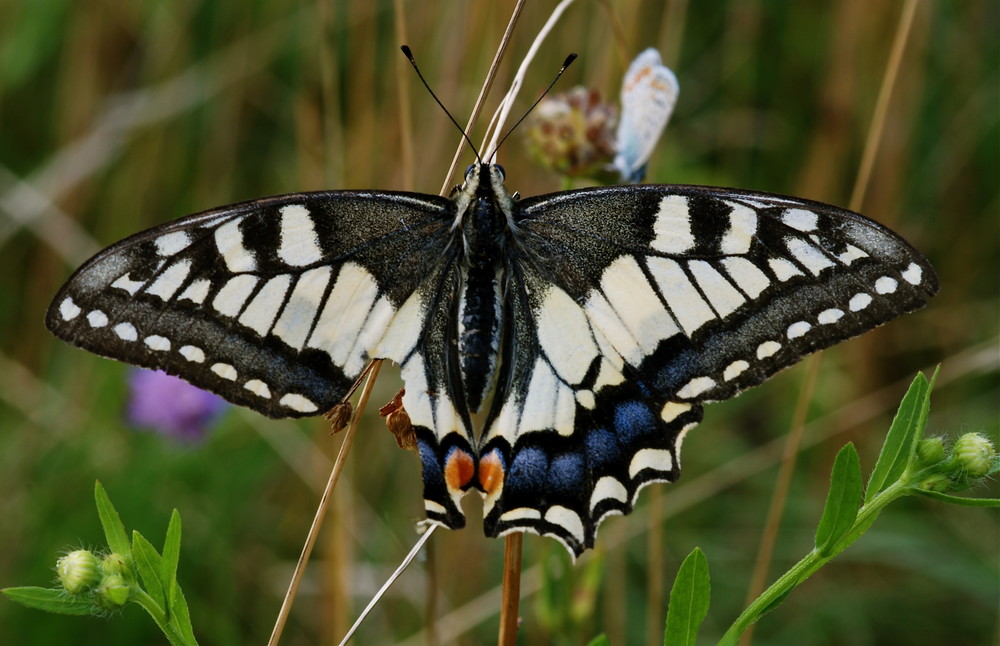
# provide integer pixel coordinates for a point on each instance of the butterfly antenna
(409, 57)
(569, 60)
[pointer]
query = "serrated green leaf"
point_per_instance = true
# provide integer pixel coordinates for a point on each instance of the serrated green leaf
(114, 529)
(148, 562)
(600, 640)
(960, 500)
(51, 600)
(689, 600)
(901, 441)
(842, 500)
(171, 557)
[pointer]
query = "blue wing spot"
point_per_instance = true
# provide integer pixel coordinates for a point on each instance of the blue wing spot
(431, 468)
(633, 420)
(566, 475)
(602, 448)
(528, 469)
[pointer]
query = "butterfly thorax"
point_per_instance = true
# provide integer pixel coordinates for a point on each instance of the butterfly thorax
(480, 307)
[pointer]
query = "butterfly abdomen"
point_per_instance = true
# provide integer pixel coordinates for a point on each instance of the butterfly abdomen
(480, 304)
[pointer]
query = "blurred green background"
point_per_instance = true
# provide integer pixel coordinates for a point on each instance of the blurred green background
(117, 115)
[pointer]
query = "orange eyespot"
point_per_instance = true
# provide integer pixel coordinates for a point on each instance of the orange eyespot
(458, 470)
(491, 473)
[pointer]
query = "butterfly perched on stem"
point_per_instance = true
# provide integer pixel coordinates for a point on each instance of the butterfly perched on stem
(587, 327)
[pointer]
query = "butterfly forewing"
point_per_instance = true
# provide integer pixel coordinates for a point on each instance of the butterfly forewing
(707, 292)
(274, 304)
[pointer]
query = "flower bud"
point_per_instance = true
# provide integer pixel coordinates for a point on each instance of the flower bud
(974, 454)
(112, 591)
(113, 563)
(77, 571)
(930, 451)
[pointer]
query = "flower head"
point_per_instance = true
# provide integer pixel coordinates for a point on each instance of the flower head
(78, 571)
(171, 406)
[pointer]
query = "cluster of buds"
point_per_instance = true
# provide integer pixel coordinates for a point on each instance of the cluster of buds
(573, 133)
(81, 572)
(971, 458)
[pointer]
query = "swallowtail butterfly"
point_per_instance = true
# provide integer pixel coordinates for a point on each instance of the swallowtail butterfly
(555, 349)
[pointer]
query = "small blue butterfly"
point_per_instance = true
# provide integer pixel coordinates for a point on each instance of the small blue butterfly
(649, 93)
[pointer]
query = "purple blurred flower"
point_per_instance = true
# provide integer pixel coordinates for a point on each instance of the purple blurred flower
(171, 406)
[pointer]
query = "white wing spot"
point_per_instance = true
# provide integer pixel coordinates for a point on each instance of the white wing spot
(299, 243)
(567, 519)
(68, 309)
(127, 284)
(192, 353)
(520, 513)
(913, 274)
(742, 229)
(262, 310)
(97, 318)
(795, 330)
(810, 257)
(800, 219)
(197, 291)
(859, 302)
(298, 403)
(297, 318)
(767, 349)
(725, 298)
(229, 242)
(637, 305)
(673, 410)
(157, 343)
(171, 243)
(126, 332)
(832, 315)
(684, 300)
(565, 336)
(224, 370)
(672, 228)
(230, 298)
(735, 369)
(852, 254)
(607, 488)
(658, 459)
(170, 280)
(259, 388)
(695, 387)
(783, 269)
(885, 285)
(746, 275)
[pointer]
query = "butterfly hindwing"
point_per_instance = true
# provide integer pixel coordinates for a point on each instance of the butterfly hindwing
(275, 304)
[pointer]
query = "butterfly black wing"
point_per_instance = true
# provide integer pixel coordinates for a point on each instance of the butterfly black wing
(275, 304)
(637, 304)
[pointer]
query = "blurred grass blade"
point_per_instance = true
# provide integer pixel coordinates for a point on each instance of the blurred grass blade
(842, 501)
(114, 529)
(902, 439)
(148, 563)
(50, 600)
(171, 557)
(689, 599)
(600, 640)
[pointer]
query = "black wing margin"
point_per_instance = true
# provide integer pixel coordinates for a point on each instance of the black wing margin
(274, 304)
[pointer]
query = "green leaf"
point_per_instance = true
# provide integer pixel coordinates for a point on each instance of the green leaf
(600, 640)
(901, 442)
(148, 563)
(689, 599)
(114, 529)
(52, 600)
(842, 501)
(180, 616)
(959, 500)
(171, 557)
